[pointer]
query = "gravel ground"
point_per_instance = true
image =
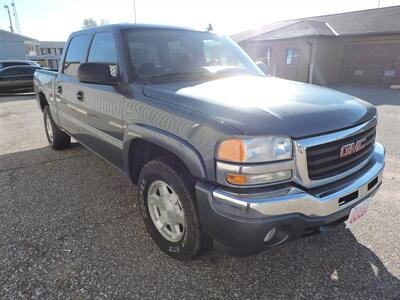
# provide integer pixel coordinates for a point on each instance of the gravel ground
(70, 229)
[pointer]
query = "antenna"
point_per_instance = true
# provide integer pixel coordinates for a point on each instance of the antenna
(9, 17)
(134, 10)
(16, 21)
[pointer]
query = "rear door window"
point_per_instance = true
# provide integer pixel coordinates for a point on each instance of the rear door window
(75, 55)
(29, 71)
(13, 72)
(103, 50)
(10, 64)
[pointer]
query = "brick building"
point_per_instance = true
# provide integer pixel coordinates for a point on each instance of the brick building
(355, 47)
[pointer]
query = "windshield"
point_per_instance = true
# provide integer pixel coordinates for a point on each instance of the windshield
(177, 55)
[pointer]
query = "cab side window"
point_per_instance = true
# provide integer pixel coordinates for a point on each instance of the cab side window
(10, 64)
(18, 72)
(75, 55)
(29, 71)
(102, 50)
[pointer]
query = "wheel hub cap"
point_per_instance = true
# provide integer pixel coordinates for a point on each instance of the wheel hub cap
(49, 129)
(166, 211)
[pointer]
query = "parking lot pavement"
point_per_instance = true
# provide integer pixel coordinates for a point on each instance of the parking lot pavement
(69, 228)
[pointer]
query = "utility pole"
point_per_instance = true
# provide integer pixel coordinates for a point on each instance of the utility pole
(134, 10)
(379, 3)
(9, 17)
(16, 21)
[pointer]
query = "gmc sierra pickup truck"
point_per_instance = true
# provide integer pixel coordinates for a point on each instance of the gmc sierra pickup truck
(220, 153)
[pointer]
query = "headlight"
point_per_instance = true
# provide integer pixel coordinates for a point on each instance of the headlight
(240, 160)
(254, 149)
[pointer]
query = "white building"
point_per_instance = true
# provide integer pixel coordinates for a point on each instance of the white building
(17, 46)
(49, 53)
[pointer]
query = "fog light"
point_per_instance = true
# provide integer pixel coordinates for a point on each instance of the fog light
(246, 179)
(270, 235)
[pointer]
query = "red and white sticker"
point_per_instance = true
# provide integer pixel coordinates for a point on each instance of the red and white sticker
(357, 213)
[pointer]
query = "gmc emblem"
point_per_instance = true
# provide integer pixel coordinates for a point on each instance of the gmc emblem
(352, 148)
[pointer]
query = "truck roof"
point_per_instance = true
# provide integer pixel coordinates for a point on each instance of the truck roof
(123, 26)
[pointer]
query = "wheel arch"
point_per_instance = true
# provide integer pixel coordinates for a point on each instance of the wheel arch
(144, 143)
(42, 100)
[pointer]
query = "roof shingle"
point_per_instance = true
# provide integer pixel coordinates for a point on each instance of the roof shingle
(11, 36)
(371, 21)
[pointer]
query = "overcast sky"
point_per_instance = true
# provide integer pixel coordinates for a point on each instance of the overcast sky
(56, 19)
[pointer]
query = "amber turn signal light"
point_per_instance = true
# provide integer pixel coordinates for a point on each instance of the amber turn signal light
(232, 150)
(236, 179)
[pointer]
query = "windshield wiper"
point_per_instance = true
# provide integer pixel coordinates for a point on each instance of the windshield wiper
(177, 75)
(231, 70)
(205, 74)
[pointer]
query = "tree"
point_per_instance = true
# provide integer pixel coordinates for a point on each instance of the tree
(104, 22)
(89, 23)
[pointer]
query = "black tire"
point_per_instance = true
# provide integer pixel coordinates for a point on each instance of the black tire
(59, 140)
(171, 171)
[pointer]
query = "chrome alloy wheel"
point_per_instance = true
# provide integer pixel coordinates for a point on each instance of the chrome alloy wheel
(166, 211)
(49, 128)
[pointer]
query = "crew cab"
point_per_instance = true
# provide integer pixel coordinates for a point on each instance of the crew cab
(220, 153)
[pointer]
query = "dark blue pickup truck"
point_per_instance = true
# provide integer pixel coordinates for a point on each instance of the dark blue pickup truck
(220, 153)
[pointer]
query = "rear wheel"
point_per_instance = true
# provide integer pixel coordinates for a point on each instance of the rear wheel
(168, 207)
(55, 136)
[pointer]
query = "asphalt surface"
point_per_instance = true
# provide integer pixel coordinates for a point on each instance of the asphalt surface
(70, 229)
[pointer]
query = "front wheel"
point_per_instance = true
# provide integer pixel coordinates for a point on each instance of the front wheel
(55, 136)
(168, 208)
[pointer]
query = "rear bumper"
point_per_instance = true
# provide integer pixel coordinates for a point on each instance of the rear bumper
(255, 221)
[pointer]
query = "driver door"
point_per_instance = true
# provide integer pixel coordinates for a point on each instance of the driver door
(103, 104)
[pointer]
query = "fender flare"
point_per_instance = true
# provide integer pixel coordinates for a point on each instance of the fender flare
(172, 143)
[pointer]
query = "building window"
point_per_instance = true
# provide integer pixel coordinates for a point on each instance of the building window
(389, 73)
(31, 49)
(264, 54)
(292, 56)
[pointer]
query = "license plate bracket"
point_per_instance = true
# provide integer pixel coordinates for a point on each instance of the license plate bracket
(357, 212)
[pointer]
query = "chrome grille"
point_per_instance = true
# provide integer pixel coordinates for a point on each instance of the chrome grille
(324, 161)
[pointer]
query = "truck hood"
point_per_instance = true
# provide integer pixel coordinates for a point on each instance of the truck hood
(258, 105)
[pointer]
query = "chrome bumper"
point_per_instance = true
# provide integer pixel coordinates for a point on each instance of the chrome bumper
(294, 200)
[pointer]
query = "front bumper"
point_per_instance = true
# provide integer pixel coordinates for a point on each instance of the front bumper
(255, 220)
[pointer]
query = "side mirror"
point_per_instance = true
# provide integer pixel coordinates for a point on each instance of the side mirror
(262, 67)
(96, 73)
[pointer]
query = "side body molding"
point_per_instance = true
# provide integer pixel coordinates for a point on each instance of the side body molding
(186, 152)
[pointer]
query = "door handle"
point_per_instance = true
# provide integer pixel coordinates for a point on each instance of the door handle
(59, 89)
(80, 95)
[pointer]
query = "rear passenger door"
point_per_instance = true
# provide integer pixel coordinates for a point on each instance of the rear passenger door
(71, 111)
(103, 103)
(6, 79)
(25, 77)
(17, 77)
